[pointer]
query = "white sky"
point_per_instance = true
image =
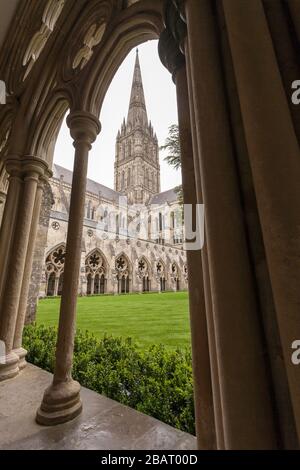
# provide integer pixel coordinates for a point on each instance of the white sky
(160, 95)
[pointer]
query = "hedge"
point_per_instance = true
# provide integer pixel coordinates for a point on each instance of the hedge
(155, 381)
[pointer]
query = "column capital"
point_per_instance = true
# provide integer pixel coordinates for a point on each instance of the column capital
(31, 164)
(170, 54)
(84, 127)
(19, 167)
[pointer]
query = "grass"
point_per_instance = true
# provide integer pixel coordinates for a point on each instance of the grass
(147, 318)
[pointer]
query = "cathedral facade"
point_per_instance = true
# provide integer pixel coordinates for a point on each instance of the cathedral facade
(132, 234)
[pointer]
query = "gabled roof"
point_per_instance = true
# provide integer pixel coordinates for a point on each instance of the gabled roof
(91, 186)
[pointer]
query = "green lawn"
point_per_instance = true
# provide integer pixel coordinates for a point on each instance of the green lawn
(147, 318)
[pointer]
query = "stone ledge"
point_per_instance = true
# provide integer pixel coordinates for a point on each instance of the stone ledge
(104, 423)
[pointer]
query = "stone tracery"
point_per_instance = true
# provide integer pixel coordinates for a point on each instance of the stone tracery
(55, 263)
(96, 273)
(51, 14)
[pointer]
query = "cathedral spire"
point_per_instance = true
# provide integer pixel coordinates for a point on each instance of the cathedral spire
(137, 114)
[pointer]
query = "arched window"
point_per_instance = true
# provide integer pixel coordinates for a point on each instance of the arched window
(55, 262)
(122, 268)
(175, 276)
(128, 177)
(161, 275)
(89, 206)
(143, 273)
(51, 285)
(96, 272)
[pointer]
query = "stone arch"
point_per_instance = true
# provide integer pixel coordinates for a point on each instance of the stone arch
(144, 273)
(123, 270)
(96, 268)
(55, 262)
(136, 25)
(161, 274)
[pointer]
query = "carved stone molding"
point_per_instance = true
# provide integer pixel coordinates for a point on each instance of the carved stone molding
(51, 14)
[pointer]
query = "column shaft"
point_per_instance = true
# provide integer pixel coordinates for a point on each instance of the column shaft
(61, 401)
(8, 225)
(17, 345)
(16, 269)
(274, 158)
(214, 360)
(243, 383)
(66, 329)
(205, 424)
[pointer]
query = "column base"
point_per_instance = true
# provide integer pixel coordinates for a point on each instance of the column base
(21, 353)
(61, 403)
(10, 368)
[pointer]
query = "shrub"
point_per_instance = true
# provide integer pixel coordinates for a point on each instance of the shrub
(155, 381)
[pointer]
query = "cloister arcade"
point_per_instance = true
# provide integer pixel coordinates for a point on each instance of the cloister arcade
(232, 63)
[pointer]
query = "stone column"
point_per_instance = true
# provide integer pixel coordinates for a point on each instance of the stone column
(17, 346)
(214, 359)
(275, 162)
(2, 204)
(204, 404)
(32, 169)
(61, 401)
(243, 375)
(13, 167)
(202, 371)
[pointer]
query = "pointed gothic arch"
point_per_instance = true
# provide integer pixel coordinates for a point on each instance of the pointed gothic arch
(144, 273)
(55, 263)
(161, 274)
(96, 269)
(123, 269)
(175, 276)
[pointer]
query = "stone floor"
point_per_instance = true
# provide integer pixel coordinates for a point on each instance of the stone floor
(104, 423)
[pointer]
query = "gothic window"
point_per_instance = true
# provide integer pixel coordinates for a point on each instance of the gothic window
(123, 180)
(175, 276)
(143, 273)
(122, 268)
(51, 285)
(129, 149)
(147, 178)
(88, 213)
(96, 273)
(161, 275)
(55, 263)
(128, 177)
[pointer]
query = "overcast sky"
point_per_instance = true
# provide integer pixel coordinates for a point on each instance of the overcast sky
(160, 95)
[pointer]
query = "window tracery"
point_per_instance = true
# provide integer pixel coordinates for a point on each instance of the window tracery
(38, 41)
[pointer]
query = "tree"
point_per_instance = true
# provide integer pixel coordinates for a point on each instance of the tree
(172, 145)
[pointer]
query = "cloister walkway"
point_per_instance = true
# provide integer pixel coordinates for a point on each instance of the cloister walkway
(104, 423)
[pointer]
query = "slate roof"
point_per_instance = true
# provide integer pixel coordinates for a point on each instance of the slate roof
(108, 193)
(166, 196)
(91, 186)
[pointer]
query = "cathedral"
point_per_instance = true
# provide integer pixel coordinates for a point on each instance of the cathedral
(132, 234)
(234, 65)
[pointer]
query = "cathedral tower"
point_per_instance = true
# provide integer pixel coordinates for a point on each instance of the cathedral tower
(137, 170)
